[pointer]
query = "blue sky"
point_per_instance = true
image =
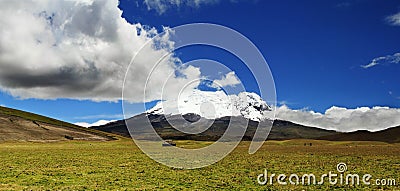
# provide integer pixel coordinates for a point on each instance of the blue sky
(315, 50)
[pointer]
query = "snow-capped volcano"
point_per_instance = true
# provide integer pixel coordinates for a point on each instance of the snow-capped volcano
(214, 105)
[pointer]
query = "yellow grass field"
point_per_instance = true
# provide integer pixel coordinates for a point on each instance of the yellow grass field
(120, 165)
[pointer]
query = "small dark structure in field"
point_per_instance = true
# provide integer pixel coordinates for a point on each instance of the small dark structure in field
(305, 144)
(168, 143)
(36, 123)
(69, 137)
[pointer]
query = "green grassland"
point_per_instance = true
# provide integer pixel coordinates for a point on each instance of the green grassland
(34, 117)
(120, 165)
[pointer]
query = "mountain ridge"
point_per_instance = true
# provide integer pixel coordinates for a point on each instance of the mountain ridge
(17, 125)
(281, 130)
(389, 135)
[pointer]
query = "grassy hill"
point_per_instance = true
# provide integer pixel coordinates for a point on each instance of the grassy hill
(390, 135)
(17, 125)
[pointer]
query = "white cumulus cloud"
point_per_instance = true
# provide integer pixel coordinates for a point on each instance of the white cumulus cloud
(229, 79)
(161, 6)
(98, 123)
(394, 19)
(343, 119)
(77, 49)
(389, 59)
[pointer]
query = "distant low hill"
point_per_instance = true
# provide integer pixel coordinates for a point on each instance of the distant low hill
(16, 125)
(390, 135)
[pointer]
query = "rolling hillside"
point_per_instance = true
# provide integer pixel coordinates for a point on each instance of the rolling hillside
(16, 125)
(390, 135)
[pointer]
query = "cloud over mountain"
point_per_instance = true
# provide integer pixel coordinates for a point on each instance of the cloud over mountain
(214, 105)
(343, 119)
(249, 105)
(229, 79)
(97, 123)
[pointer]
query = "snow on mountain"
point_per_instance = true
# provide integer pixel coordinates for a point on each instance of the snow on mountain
(214, 105)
